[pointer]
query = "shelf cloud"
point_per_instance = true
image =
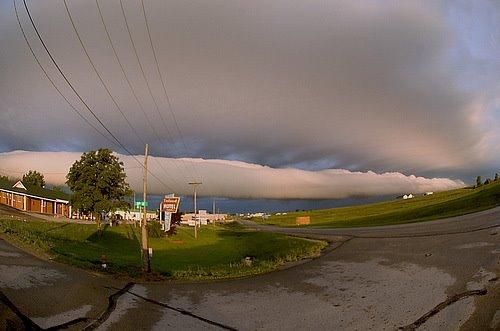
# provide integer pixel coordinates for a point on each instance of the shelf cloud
(235, 179)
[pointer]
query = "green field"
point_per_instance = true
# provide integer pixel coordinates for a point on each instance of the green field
(422, 208)
(217, 253)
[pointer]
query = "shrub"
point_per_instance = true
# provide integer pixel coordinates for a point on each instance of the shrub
(154, 229)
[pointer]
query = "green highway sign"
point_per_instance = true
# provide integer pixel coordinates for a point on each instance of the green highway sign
(141, 204)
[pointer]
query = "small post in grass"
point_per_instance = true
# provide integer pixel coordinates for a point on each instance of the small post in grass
(213, 211)
(104, 262)
(195, 185)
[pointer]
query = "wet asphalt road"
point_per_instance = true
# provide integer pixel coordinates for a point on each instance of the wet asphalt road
(440, 275)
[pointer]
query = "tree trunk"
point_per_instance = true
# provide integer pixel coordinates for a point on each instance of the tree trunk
(98, 221)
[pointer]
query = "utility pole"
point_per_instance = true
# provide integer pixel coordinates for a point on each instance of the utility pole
(146, 265)
(195, 186)
(213, 210)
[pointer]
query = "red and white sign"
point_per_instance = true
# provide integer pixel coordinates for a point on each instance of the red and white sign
(170, 204)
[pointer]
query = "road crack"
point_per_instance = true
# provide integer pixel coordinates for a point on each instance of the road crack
(441, 306)
(29, 324)
(112, 301)
(183, 312)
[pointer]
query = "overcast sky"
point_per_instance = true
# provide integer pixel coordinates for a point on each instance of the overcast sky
(366, 86)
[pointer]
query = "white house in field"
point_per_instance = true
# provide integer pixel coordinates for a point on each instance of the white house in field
(408, 196)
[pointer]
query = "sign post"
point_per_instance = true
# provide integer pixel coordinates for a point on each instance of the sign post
(169, 206)
(141, 205)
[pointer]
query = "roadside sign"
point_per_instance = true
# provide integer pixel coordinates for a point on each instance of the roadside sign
(167, 221)
(141, 204)
(170, 204)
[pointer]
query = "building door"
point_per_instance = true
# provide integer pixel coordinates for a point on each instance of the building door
(3, 198)
(36, 205)
(50, 207)
(18, 201)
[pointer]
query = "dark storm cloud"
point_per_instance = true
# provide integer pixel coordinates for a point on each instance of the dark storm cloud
(353, 84)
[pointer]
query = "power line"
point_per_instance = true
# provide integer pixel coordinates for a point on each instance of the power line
(97, 72)
(169, 103)
(128, 81)
(78, 95)
(50, 79)
(108, 91)
(66, 79)
(144, 74)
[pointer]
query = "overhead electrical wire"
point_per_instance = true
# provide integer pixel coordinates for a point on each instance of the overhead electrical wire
(169, 103)
(50, 79)
(103, 83)
(81, 99)
(97, 72)
(127, 79)
(136, 53)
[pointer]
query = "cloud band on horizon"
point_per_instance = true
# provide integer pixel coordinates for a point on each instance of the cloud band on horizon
(234, 179)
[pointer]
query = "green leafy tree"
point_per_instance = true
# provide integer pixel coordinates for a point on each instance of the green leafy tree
(4, 178)
(98, 183)
(34, 178)
(496, 177)
(57, 189)
(479, 181)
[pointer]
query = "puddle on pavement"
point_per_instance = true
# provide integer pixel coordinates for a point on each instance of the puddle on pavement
(386, 295)
(474, 245)
(9, 254)
(19, 277)
(125, 303)
(47, 322)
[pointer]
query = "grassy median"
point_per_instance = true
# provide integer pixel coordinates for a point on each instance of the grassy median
(421, 208)
(217, 253)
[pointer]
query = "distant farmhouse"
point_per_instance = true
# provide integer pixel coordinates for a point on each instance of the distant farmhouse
(411, 195)
(34, 199)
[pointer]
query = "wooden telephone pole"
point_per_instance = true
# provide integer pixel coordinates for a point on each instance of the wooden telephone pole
(213, 210)
(195, 185)
(146, 264)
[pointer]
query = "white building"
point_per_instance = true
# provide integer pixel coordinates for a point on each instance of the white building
(259, 215)
(135, 215)
(407, 196)
(203, 216)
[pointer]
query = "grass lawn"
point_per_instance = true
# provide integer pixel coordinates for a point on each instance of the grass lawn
(217, 253)
(422, 208)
